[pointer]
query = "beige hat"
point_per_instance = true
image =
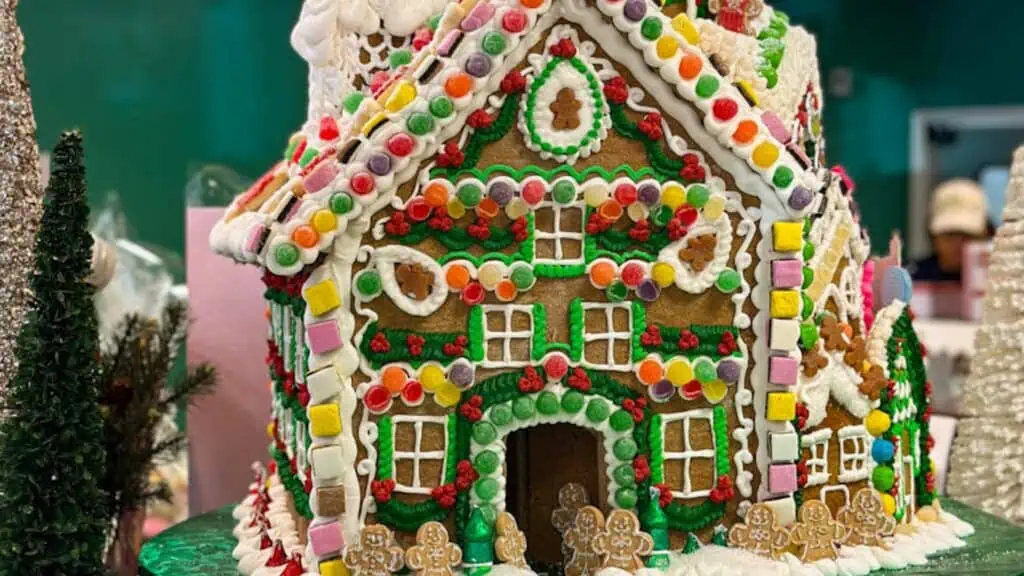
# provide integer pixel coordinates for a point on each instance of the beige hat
(959, 206)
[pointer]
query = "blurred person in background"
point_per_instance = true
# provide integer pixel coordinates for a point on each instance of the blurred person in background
(958, 216)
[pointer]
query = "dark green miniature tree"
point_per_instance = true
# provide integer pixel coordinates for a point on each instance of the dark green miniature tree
(53, 514)
(478, 552)
(656, 524)
(692, 543)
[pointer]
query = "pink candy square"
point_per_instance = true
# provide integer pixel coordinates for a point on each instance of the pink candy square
(782, 478)
(323, 336)
(787, 273)
(783, 370)
(326, 538)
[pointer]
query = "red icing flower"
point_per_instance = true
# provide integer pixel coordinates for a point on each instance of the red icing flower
(801, 474)
(641, 231)
(615, 90)
(928, 388)
(380, 344)
(641, 468)
(579, 380)
(440, 220)
(465, 475)
(635, 407)
(802, 414)
(688, 340)
(597, 223)
(382, 489)
(479, 119)
(927, 415)
(444, 495)
(421, 38)
(452, 156)
(470, 409)
(519, 229)
(664, 495)
(727, 345)
(651, 337)
(530, 381)
(924, 350)
(415, 343)
(303, 395)
(692, 170)
(481, 229)
(722, 492)
(929, 443)
(651, 126)
(397, 225)
(676, 230)
(513, 82)
(564, 48)
(288, 384)
(453, 348)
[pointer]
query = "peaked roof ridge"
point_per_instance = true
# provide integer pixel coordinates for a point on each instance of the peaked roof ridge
(477, 42)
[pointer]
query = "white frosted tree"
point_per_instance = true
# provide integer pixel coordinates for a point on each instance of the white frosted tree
(987, 465)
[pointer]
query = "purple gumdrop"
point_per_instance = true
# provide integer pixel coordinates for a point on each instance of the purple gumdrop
(461, 374)
(648, 194)
(478, 65)
(800, 198)
(661, 391)
(728, 371)
(379, 164)
(648, 291)
(501, 192)
(635, 10)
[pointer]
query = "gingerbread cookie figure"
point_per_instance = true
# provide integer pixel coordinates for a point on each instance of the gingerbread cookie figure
(622, 543)
(510, 545)
(374, 555)
(433, 554)
(588, 525)
(571, 497)
(761, 533)
(817, 533)
(866, 520)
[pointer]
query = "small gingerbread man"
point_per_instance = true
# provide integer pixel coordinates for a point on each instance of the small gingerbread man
(866, 520)
(415, 281)
(699, 251)
(622, 542)
(374, 555)
(510, 546)
(761, 533)
(817, 532)
(433, 554)
(571, 497)
(833, 334)
(589, 524)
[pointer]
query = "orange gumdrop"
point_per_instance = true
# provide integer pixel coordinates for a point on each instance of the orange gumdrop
(745, 132)
(505, 290)
(487, 208)
(435, 195)
(602, 274)
(689, 66)
(305, 236)
(610, 210)
(458, 85)
(650, 372)
(393, 379)
(457, 277)
(531, 3)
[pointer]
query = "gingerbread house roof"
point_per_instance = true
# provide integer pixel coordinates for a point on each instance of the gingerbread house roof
(355, 173)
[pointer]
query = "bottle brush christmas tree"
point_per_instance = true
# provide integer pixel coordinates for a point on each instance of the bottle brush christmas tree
(53, 514)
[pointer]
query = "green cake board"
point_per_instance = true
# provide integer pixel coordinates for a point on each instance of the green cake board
(203, 545)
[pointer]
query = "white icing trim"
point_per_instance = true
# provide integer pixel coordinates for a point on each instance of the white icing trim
(689, 453)
(817, 464)
(853, 465)
(742, 458)
(417, 454)
(387, 258)
(881, 331)
(837, 381)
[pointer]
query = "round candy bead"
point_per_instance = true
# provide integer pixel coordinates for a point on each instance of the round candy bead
(691, 390)
(420, 123)
(745, 132)
(352, 101)
(533, 192)
(547, 403)
(648, 290)
(714, 391)
(435, 195)
(602, 273)
(505, 290)
(724, 109)
(572, 402)
(625, 194)
(728, 280)
(516, 209)
(661, 391)
(714, 207)
(707, 86)
(469, 194)
(432, 377)
(486, 462)
(610, 210)
(678, 371)
(486, 488)
(556, 366)
(305, 236)
(697, 195)
(690, 66)
(728, 371)
(531, 3)
(625, 498)
(341, 203)
(501, 415)
(393, 378)
(493, 43)
(473, 293)
(456, 209)
(637, 212)
(458, 85)
(564, 192)
(650, 371)
(489, 275)
(522, 408)
(597, 410)
(624, 475)
(418, 210)
(783, 176)
(877, 423)
(522, 276)
(616, 292)
(648, 194)
(673, 196)
(368, 283)
(635, 9)
(441, 107)
(705, 371)
(621, 421)
(765, 154)
(882, 478)
(882, 451)
(501, 192)
(888, 504)
(286, 254)
(377, 399)
(412, 393)
(514, 21)
(651, 28)
(663, 274)
(457, 277)
(478, 65)
(379, 164)
(594, 196)
(632, 274)
(484, 432)
(666, 47)
(488, 208)
(461, 373)
(624, 448)
(400, 145)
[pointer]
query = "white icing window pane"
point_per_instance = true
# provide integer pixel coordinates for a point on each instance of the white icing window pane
(508, 335)
(558, 233)
(420, 445)
(688, 442)
(607, 336)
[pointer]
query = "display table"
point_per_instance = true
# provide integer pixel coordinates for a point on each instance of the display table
(203, 545)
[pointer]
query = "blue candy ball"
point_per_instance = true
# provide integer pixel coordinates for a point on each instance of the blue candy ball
(882, 451)
(896, 285)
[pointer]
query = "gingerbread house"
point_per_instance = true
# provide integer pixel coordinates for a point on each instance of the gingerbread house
(587, 241)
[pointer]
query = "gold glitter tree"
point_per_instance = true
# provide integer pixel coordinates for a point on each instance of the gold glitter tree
(20, 205)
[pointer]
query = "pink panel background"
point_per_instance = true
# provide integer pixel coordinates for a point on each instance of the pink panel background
(227, 429)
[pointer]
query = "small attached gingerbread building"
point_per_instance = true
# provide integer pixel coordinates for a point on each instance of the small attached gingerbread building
(575, 241)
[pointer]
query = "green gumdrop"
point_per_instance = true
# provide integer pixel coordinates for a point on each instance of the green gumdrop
(547, 403)
(420, 123)
(621, 421)
(808, 277)
(783, 176)
(728, 280)
(697, 195)
(352, 101)
(286, 254)
(882, 478)
(808, 335)
(522, 277)
(368, 283)
(493, 43)
(470, 195)
(484, 433)
(625, 498)
(597, 410)
(487, 462)
(501, 415)
(705, 371)
(624, 475)
(399, 58)
(707, 86)
(624, 449)
(441, 107)
(572, 402)
(522, 407)
(808, 251)
(341, 203)
(564, 192)
(486, 489)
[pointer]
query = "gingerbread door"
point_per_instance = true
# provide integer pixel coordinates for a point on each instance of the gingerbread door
(539, 461)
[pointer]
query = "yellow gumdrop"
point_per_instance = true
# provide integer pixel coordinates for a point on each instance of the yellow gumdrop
(489, 275)
(888, 504)
(456, 209)
(714, 391)
(673, 196)
(663, 274)
(447, 395)
(595, 196)
(637, 212)
(714, 207)
(324, 221)
(667, 47)
(679, 372)
(516, 209)
(765, 154)
(685, 27)
(877, 423)
(400, 97)
(432, 377)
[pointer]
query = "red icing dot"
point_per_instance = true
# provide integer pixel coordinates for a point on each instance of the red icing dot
(361, 183)
(377, 398)
(632, 274)
(473, 293)
(418, 210)
(691, 390)
(400, 145)
(556, 366)
(625, 194)
(514, 21)
(688, 216)
(412, 393)
(533, 192)
(724, 109)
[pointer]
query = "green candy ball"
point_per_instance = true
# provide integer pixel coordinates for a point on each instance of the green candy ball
(547, 403)
(597, 410)
(882, 478)
(486, 489)
(572, 402)
(487, 462)
(624, 475)
(621, 421)
(501, 415)
(624, 449)
(523, 408)
(625, 498)
(484, 433)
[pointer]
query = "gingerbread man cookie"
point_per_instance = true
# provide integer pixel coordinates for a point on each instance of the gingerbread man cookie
(866, 520)
(433, 554)
(622, 543)
(374, 555)
(760, 533)
(588, 525)
(415, 281)
(510, 546)
(571, 497)
(817, 533)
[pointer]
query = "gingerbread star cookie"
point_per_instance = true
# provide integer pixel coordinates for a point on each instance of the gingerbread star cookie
(510, 545)
(760, 533)
(866, 520)
(622, 543)
(433, 554)
(817, 533)
(374, 555)
(588, 525)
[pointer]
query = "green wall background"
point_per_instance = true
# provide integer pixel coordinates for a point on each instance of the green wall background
(161, 88)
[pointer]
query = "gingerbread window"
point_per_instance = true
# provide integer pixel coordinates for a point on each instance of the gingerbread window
(688, 441)
(608, 335)
(558, 229)
(853, 453)
(419, 447)
(508, 335)
(816, 458)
